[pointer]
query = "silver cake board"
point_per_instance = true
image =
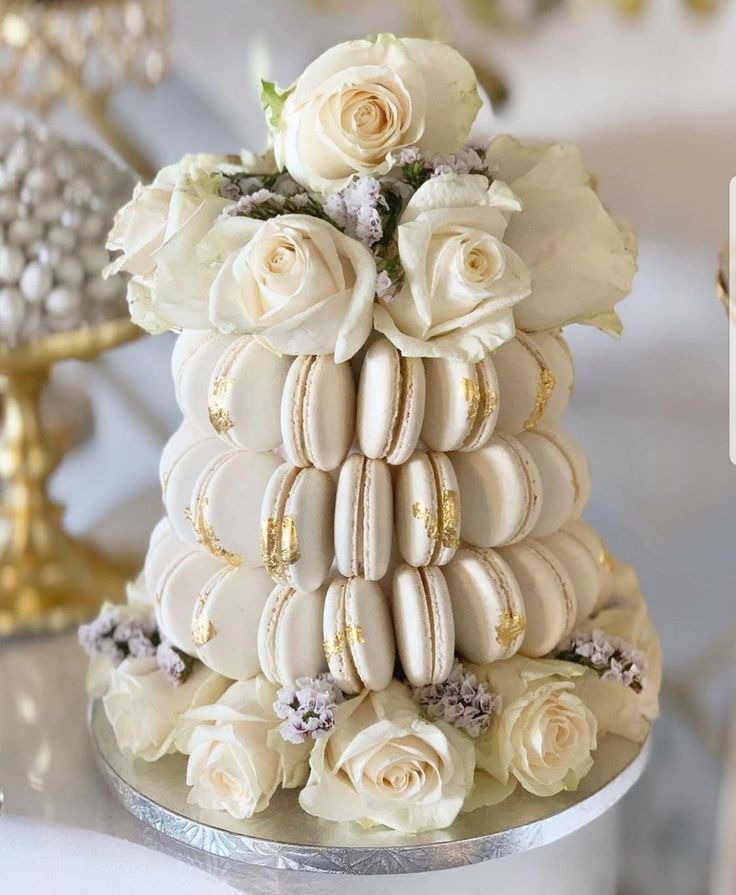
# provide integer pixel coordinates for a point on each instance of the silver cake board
(285, 837)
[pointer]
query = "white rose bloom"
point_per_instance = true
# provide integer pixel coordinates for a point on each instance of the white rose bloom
(582, 262)
(237, 759)
(143, 707)
(462, 280)
(140, 307)
(295, 281)
(527, 742)
(384, 764)
(360, 102)
(619, 709)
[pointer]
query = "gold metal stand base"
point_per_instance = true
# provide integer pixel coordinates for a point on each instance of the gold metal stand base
(48, 579)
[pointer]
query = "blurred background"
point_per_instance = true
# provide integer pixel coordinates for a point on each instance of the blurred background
(648, 89)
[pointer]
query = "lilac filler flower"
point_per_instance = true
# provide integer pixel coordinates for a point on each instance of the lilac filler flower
(610, 657)
(307, 708)
(461, 700)
(175, 665)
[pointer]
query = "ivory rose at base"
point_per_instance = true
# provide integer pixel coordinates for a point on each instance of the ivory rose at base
(384, 764)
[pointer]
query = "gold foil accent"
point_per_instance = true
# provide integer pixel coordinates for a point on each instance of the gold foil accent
(605, 559)
(207, 537)
(490, 404)
(511, 626)
(545, 387)
(202, 628)
(443, 527)
(219, 416)
(279, 545)
(338, 643)
(471, 396)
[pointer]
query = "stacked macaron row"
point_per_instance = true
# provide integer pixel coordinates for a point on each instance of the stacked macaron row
(324, 515)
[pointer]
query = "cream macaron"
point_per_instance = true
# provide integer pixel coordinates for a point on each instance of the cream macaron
(244, 391)
(423, 624)
(565, 478)
(179, 473)
(581, 564)
(318, 412)
(179, 589)
(461, 404)
(225, 508)
(487, 606)
(290, 636)
(297, 525)
(364, 518)
(535, 380)
(548, 595)
(606, 563)
(226, 618)
(195, 356)
(164, 546)
(359, 640)
(427, 509)
(391, 395)
(501, 492)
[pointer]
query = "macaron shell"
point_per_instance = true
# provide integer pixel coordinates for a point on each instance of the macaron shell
(336, 648)
(558, 480)
(245, 386)
(390, 409)
(548, 596)
(427, 509)
(597, 547)
(500, 491)
(484, 406)
(535, 377)
(369, 633)
(363, 518)
(423, 624)
(226, 505)
(318, 412)
(290, 635)
(184, 437)
(582, 567)
(226, 618)
(297, 524)
(180, 587)
(487, 606)
(180, 482)
(451, 405)
(164, 547)
(580, 471)
(193, 365)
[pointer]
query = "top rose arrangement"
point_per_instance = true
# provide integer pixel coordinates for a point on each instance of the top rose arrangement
(374, 209)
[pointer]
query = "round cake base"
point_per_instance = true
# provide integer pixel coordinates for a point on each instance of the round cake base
(286, 837)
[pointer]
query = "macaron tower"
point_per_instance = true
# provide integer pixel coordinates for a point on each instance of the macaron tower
(373, 479)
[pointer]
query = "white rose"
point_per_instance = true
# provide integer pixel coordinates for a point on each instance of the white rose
(512, 749)
(140, 307)
(461, 279)
(143, 707)
(619, 709)
(582, 263)
(237, 758)
(384, 764)
(295, 281)
(361, 101)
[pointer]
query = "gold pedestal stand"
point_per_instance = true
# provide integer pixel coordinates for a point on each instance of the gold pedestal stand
(48, 579)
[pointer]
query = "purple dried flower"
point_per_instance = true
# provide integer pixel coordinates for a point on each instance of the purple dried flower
(307, 708)
(176, 666)
(461, 700)
(610, 657)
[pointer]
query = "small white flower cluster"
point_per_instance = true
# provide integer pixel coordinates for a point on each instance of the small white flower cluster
(611, 658)
(461, 700)
(307, 708)
(358, 209)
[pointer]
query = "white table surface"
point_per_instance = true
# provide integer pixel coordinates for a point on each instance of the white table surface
(653, 104)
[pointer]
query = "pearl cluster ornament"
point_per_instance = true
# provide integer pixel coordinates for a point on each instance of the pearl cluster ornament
(57, 201)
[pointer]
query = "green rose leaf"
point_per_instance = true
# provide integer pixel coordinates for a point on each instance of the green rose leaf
(272, 102)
